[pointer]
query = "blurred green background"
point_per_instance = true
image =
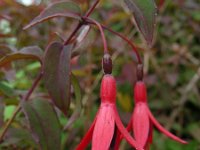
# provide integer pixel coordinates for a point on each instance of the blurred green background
(172, 69)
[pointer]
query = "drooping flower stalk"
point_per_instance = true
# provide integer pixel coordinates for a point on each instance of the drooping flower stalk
(142, 120)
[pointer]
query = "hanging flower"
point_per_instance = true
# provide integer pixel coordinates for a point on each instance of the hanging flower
(142, 120)
(102, 129)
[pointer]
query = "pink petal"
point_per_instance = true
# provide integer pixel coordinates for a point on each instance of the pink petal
(163, 130)
(104, 129)
(86, 139)
(124, 132)
(141, 124)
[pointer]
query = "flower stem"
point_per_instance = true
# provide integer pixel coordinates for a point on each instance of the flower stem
(81, 23)
(127, 40)
(102, 32)
(89, 20)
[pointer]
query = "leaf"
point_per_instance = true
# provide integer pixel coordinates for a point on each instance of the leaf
(57, 9)
(4, 49)
(144, 13)
(44, 123)
(57, 74)
(6, 89)
(19, 137)
(31, 52)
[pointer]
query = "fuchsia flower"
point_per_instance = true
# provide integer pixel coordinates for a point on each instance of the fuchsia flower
(102, 129)
(142, 120)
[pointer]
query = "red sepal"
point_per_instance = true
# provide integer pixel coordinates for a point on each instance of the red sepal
(140, 124)
(104, 128)
(163, 130)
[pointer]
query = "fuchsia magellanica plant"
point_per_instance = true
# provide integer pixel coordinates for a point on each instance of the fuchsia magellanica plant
(142, 120)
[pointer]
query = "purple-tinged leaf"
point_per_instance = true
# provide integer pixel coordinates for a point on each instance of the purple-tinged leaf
(43, 122)
(144, 12)
(31, 52)
(57, 9)
(57, 74)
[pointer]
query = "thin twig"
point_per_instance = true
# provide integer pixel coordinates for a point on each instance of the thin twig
(101, 31)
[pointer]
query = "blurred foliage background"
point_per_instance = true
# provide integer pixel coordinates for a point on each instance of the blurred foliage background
(172, 69)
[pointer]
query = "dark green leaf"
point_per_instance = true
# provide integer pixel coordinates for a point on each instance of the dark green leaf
(6, 89)
(44, 123)
(57, 9)
(57, 74)
(144, 12)
(31, 52)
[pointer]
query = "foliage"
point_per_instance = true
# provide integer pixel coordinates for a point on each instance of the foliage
(171, 68)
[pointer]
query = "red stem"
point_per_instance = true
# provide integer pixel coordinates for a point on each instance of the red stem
(89, 20)
(5, 129)
(128, 41)
(33, 86)
(102, 32)
(92, 9)
(81, 23)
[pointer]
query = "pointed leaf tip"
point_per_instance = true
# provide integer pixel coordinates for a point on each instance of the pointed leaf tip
(144, 12)
(57, 9)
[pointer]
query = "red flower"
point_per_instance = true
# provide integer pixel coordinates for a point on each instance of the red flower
(142, 120)
(102, 129)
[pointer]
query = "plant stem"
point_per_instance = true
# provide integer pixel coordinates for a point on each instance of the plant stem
(73, 33)
(35, 83)
(81, 23)
(92, 8)
(101, 31)
(89, 20)
(9, 123)
(128, 41)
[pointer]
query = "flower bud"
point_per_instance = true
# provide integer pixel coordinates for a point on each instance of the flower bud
(107, 64)
(139, 72)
